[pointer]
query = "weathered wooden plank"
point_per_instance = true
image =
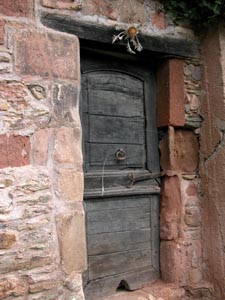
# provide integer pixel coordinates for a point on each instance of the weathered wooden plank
(114, 61)
(117, 203)
(118, 241)
(85, 124)
(97, 155)
(151, 131)
(155, 231)
(115, 184)
(119, 214)
(84, 94)
(118, 220)
(105, 129)
(111, 264)
(115, 81)
(99, 288)
(101, 33)
(114, 103)
(138, 190)
(107, 179)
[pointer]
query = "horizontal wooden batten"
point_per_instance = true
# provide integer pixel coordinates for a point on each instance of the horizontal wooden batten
(118, 202)
(114, 184)
(94, 194)
(99, 222)
(112, 264)
(118, 241)
(101, 33)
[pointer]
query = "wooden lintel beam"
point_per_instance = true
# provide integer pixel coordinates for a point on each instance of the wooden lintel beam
(102, 33)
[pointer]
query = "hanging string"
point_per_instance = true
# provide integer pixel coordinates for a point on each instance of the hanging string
(103, 174)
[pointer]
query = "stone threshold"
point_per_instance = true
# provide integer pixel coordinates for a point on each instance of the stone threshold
(157, 290)
(160, 290)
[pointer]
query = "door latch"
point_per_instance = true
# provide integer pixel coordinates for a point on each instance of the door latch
(133, 178)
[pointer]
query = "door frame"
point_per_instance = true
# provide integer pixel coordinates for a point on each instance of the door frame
(166, 49)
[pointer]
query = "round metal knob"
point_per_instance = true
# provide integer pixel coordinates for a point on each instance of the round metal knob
(121, 154)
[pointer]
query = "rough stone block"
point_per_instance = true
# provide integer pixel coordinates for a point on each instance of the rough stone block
(19, 109)
(15, 94)
(107, 8)
(136, 12)
(179, 151)
(159, 20)
(191, 189)
(14, 151)
(19, 8)
(74, 283)
(192, 216)
(46, 54)
(65, 101)
(173, 262)
(12, 286)
(37, 90)
(7, 240)
(171, 208)
(2, 32)
(43, 286)
(68, 145)
(166, 291)
(41, 146)
(195, 276)
(69, 184)
(63, 4)
(170, 93)
(72, 240)
(49, 3)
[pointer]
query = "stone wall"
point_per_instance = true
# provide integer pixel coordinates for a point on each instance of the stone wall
(42, 236)
(178, 107)
(212, 159)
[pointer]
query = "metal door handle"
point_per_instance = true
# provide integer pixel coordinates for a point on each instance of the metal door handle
(121, 154)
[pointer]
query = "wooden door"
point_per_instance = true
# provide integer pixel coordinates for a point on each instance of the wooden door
(119, 144)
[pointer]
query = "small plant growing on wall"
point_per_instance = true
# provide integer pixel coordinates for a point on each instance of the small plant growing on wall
(199, 14)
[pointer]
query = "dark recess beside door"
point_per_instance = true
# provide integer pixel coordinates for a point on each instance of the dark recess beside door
(119, 143)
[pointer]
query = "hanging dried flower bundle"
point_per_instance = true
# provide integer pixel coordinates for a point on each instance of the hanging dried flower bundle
(131, 39)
